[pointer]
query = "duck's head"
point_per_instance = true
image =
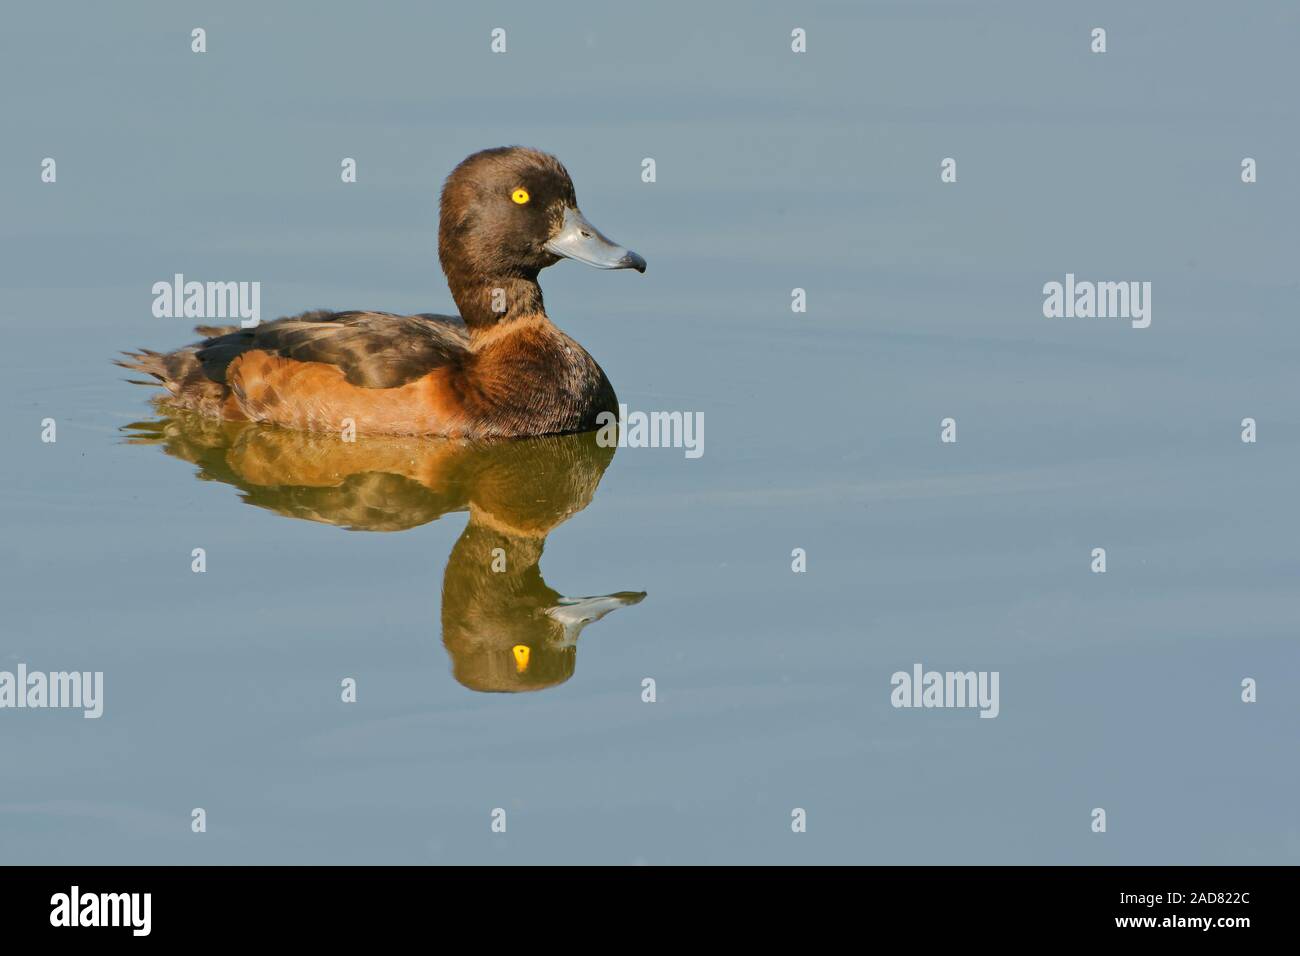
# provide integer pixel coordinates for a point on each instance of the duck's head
(511, 212)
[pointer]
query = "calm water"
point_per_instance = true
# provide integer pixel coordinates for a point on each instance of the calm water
(774, 171)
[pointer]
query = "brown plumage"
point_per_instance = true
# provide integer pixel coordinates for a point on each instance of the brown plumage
(499, 369)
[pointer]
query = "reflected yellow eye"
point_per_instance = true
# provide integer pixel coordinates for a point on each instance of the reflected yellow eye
(520, 195)
(521, 651)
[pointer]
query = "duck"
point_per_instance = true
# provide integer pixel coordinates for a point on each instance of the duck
(499, 369)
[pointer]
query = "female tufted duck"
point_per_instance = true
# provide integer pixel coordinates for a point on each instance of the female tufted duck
(500, 369)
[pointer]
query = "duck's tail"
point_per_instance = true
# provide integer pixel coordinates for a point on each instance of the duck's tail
(180, 372)
(147, 361)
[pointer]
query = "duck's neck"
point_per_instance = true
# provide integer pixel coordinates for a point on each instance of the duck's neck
(491, 303)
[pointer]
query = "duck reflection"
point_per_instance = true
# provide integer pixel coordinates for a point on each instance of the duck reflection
(505, 628)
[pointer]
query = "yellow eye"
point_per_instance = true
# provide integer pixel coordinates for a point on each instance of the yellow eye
(520, 195)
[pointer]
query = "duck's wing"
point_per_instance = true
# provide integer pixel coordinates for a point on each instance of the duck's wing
(373, 349)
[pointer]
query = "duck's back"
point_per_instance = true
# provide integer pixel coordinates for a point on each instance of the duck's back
(365, 350)
(373, 349)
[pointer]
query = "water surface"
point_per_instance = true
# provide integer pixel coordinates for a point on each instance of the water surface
(774, 171)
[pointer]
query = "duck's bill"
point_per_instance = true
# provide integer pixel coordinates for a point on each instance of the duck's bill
(571, 610)
(581, 241)
(576, 613)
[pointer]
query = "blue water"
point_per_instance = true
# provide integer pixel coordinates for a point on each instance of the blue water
(775, 170)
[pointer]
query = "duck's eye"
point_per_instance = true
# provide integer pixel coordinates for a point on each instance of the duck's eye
(519, 196)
